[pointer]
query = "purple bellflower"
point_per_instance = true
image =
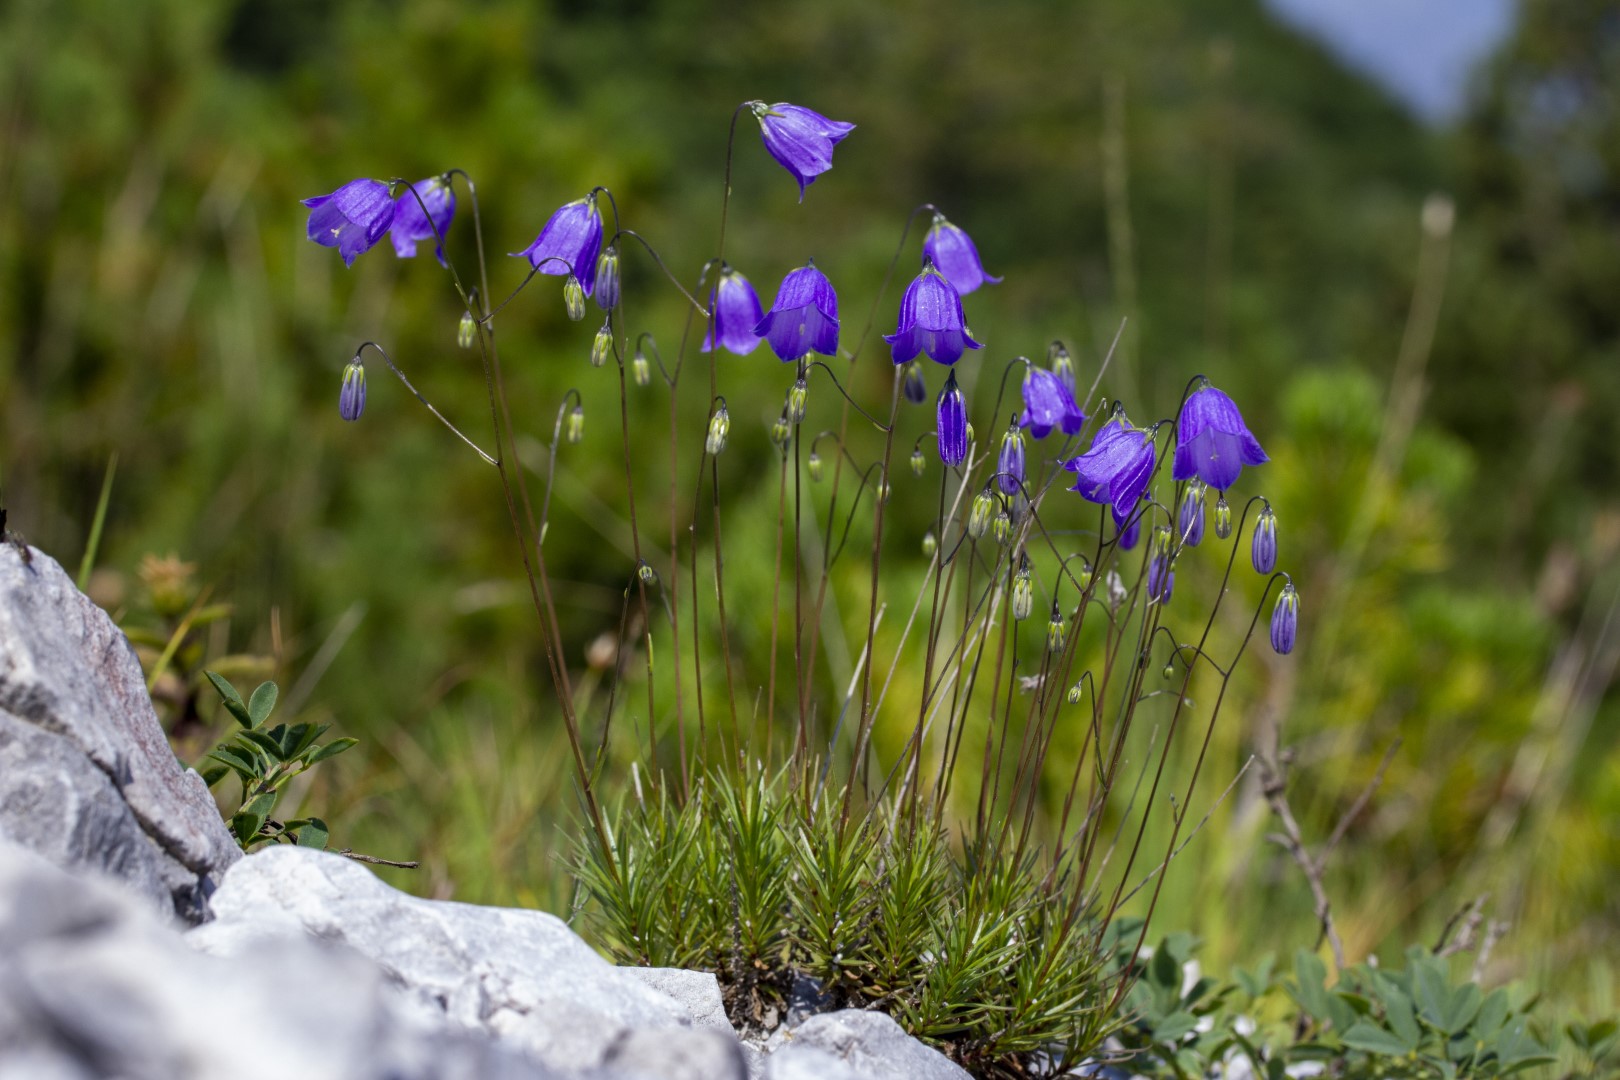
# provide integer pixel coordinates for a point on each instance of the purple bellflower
(1190, 518)
(1048, 404)
(1263, 549)
(1130, 533)
(569, 243)
(1116, 469)
(931, 321)
(412, 225)
(953, 251)
(800, 139)
(951, 434)
(352, 219)
(1212, 441)
(736, 312)
(913, 384)
(804, 318)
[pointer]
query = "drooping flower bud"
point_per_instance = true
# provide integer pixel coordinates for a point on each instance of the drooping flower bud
(352, 398)
(1062, 365)
(883, 491)
(913, 385)
(1285, 620)
(1055, 630)
(918, 463)
(1010, 462)
(782, 434)
(1077, 694)
(979, 515)
(798, 397)
(602, 346)
(606, 290)
(1161, 571)
(1001, 528)
(930, 544)
(1023, 591)
(1223, 518)
(719, 428)
(574, 298)
(1264, 550)
(576, 424)
(1084, 577)
(640, 370)
(1116, 590)
(466, 330)
(1190, 519)
(648, 575)
(814, 467)
(1169, 668)
(951, 431)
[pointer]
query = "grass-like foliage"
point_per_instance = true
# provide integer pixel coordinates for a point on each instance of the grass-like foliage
(983, 951)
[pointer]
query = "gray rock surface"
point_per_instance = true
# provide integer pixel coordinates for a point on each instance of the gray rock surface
(676, 1054)
(808, 1063)
(87, 777)
(869, 1043)
(698, 993)
(522, 976)
(94, 984)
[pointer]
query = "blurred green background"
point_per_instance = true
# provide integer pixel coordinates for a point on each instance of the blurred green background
(1449, 512)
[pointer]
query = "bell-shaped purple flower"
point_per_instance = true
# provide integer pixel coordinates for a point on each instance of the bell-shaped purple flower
(804, 318)
(1285, 621)
(413, 223)
(1161, 571)
(931, 321)
(951, 433)
(352, 219)
(1116, 469)
(1212, 442)
(800, 139)
(736, 312)
(1048, 404)
(1010, 460)
(569, 243)
(954, 253)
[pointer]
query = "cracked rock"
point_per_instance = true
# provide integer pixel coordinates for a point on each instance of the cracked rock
(87, 777)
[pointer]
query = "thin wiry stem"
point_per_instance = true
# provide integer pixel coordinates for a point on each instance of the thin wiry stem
(418, 395)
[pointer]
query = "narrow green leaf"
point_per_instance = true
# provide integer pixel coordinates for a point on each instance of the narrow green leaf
(244, 766)
(264, 742)
(94, 543)
(233, 700)
(263, 700)
(214, 774)
(331, 749)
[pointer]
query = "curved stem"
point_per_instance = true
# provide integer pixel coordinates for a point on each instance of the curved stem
(417, 394)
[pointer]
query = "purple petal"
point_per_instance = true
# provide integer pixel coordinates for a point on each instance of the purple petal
(569, 242)
(800, 139)
(736, 313)
(956, 256)
(412, 225)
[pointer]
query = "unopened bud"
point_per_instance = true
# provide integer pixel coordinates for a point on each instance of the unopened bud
(883, 491)
(1058, 359)
(640, 370)
(606, 289)
(576, 424)
(918, 463)
(1001, 528)
(648, 575)
(352, 398)
(1190, 518)
(1023, 592)
(466, 331)
(1084, 577)
(930, 544)
(574, 298)
(1055, 631)
(1264, 551)
(1285, 621)
(1223, 518)
(1077, 694)
(979, 515)
(1169, 669)
(814, 467)
(798, 397)
(602, 347)
(719, 429)
(782, 434)
(1116, 590)
(913, 385)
